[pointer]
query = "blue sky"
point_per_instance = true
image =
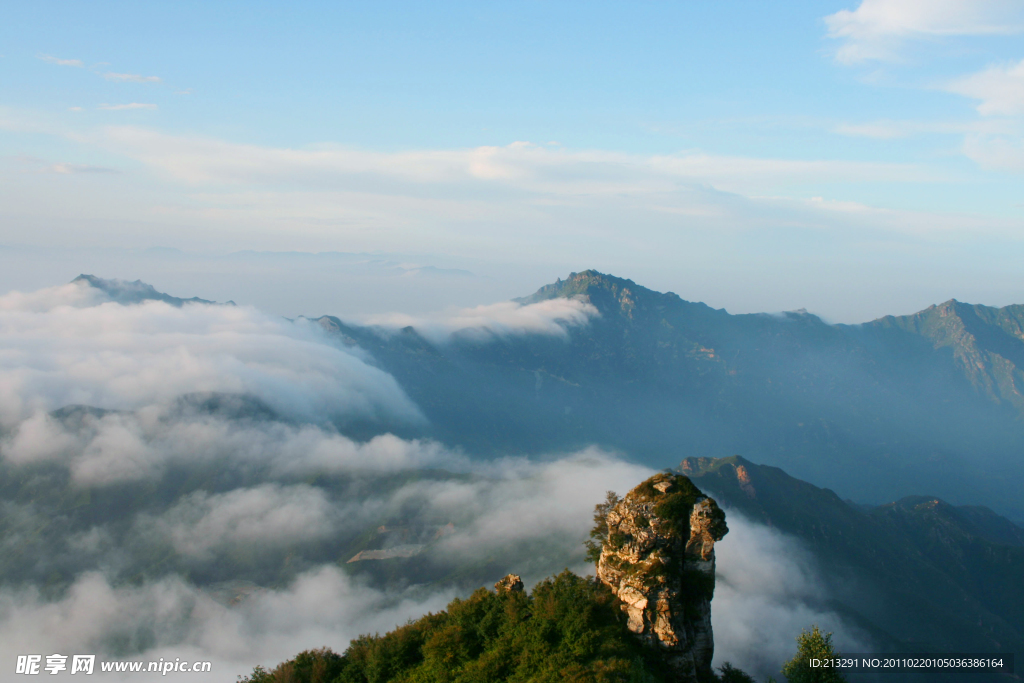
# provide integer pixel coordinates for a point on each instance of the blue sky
(853, 158)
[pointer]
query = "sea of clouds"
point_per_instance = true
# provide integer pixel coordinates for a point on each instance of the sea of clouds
(140, 521)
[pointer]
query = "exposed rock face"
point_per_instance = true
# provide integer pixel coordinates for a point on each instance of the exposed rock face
(658, 557)
(511, 583)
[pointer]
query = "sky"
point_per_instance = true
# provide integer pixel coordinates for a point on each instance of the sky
(854, 159)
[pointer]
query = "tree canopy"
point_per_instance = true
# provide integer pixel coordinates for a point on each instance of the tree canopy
(568, 630)
(812, 644)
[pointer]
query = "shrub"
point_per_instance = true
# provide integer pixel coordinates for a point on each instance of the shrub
(812, 644)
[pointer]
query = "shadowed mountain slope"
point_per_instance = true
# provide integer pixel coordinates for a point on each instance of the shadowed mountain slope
(125, 292)
(987, 344)
(874, 411)
(920, 575)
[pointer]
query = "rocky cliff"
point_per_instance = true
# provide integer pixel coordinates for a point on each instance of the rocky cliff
(657, 555)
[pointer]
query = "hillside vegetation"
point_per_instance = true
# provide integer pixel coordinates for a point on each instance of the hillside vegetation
(568, 629)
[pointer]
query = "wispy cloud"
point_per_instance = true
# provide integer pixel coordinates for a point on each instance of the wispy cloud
(887, 129)
(132, 78)
(60, 62)
(1000, 89)
(482, 201)
(69, 169)
(878, 28)
(37, 165)
(880, 130)
(996, 152)
(521, 166)
(131, 105)
(554, 317)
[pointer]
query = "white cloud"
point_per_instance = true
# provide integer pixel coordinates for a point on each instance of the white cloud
(507, 197)
(768, 589)
(529, 516)
(532, 516)
(518, 166)
(877, 28)
(131, 105)
(267, 515)
(887, 129)
(504, 505)
(104, 448)
(521, 501)
(996, 152)
(697, 222)
(119, 447)
(68, 345)
(552, 317)
(71, 169)
(999, 89)
(133, 78)
(170, 619)
(60, 62)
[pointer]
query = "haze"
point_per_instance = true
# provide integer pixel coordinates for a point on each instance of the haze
(854, 160)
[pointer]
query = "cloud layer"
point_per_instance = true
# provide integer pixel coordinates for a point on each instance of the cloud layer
(132, 78)
(218, 529)
(66, 346)
(999, 89)
(877, 28)
(553, 317)
(533, 517)
(768, 590)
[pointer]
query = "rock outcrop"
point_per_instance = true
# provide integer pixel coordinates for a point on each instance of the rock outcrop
(512, 583)
(657, 556)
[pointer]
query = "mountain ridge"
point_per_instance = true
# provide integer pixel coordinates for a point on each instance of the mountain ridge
(875, 411)
(868, 555)
(137, 291)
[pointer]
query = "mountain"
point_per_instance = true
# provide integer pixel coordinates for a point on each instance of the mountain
(657, 555)
(646, 617)
(875, 411)
(919, 574)
(567, 629)
(125, 292)
(987, 344)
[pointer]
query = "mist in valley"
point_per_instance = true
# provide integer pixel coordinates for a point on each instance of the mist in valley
(178, 482)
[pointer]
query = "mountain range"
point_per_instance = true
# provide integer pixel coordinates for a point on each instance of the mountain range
(889, 451)
(917, 575)
(899, 405)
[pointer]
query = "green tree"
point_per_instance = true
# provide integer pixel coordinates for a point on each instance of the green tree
(812, 644)
(568, 630)
(727, 673)
(311, 666)
(259, 675)
(599, 534)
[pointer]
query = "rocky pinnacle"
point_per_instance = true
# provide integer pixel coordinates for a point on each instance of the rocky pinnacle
(658, 557)
(512, 583)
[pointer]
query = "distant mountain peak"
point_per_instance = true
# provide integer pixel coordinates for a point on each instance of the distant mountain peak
(987, 343)
(610, 294)
(127, 292)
